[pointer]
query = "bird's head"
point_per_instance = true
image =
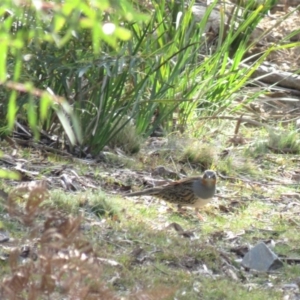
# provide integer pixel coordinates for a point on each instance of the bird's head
(209, 178)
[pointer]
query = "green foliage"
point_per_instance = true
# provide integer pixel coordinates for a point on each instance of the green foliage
(88, 65)
(102, 208)
(9, 175)
(161, 71)
(34, 46)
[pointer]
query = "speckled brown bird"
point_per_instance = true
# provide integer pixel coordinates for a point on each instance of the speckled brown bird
(193, 191)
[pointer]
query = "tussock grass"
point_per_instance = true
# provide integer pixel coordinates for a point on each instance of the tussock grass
(127, 138)
(282, 141)
(285, 141)
(201, 154)
(237, 163)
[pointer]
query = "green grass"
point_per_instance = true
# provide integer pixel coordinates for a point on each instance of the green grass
(245, 213)
(166, 252)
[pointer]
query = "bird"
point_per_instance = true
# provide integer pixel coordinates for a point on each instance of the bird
(192, 191)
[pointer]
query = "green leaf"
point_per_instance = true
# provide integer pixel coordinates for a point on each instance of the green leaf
(3, 57)
(9, 175)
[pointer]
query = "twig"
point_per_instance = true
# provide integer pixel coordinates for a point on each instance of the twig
(241, 119)
(254, 182)
(42, 147)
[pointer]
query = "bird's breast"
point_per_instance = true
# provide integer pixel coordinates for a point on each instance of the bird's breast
(201, 202)
(203, 191)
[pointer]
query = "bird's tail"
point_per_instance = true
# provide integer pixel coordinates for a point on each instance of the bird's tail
(151, 191)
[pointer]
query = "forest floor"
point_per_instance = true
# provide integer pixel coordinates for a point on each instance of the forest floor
(144, 244)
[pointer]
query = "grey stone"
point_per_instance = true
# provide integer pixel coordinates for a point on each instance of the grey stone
(261, 258)
(4, 236)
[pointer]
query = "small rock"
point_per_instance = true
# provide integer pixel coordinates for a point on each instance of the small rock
(4, 236)
(261, 258)
(290, 286)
